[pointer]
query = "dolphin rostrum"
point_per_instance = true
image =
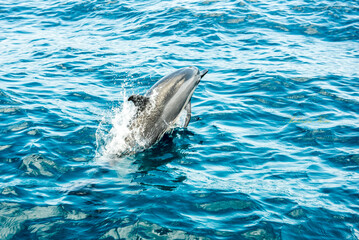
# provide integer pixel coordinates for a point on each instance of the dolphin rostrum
(159, 109)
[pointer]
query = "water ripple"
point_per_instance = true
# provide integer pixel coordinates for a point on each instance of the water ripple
(271, 149)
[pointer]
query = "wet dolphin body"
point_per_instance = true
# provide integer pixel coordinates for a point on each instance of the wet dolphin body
(159, 109)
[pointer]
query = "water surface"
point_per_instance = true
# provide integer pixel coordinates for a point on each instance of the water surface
(271, 151)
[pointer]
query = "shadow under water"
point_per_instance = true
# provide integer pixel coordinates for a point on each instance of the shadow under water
(150, 167)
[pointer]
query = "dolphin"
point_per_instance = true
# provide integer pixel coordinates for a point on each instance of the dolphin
(159, 109)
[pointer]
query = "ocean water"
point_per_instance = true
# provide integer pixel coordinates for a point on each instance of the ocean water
(272, 149)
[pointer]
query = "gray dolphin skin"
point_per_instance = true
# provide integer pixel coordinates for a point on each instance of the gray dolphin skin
(159, 109)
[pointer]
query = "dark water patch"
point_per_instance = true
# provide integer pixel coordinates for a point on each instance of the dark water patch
(263, 231)
(225, 205)
(6, 99)
(297, 213)
(303, 229)
(220, 204)
(147, 230)
(37, 165)
(82, 96)
(32, 220)
(350, 160)
(10, 111)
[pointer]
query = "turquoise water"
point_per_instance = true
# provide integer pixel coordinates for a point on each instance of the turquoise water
(271, 151)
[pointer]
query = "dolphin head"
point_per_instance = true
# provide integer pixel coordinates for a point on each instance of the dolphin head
(180, 83)
(193, 75)
(173, 92)
(186, 80)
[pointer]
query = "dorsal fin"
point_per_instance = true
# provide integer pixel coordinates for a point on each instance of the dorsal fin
(139, 101)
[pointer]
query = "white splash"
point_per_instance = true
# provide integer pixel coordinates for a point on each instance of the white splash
(115, 138)
(113, 130)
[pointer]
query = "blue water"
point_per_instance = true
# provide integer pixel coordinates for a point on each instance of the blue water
(272, 149)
